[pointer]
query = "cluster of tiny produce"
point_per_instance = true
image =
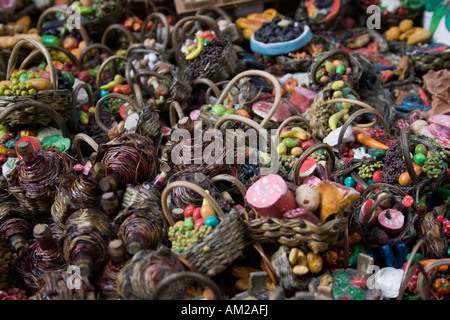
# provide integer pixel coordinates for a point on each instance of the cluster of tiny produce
(224, 110)
(294, 141)
(399, 11)
(62, 37)
(115, 105)
(331, 68)
(332, 117)
(23, 83)
(344, 287)
(303, 264)
(429, 163)
(7, 145)
(406, 32)
(197, 224)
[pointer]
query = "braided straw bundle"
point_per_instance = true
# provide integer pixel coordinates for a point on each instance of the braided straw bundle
(139, 228)
(87, 230)
(53, 286)
(34, 186)
(132, 156)
(139, 278)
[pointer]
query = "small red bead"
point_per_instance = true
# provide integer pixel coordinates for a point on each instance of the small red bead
(408, 201)
(377, 176)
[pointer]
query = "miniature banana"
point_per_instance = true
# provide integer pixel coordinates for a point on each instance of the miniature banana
(334, 119)
(300, 134)
(195, 53)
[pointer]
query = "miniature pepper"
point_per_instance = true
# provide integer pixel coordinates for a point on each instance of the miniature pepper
(118, 80)
(441, 285)
(367, 141)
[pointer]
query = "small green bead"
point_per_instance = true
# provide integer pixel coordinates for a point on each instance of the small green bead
(419, 158)
(340, 69)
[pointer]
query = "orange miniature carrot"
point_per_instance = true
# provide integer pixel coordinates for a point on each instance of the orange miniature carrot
(354, 238)
(364, 139)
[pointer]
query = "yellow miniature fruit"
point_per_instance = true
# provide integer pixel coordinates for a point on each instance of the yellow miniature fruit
(405, 25)
(419, 35)
(393, 33)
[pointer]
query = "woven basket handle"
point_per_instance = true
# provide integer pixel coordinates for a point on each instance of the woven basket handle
(14, 54)
(423, 282)
(372, 209)
(211, 87)
(270, 269)
(69, 55)
(80, 86)
(202, 19)
(255, 125)
(185, 184)
(118, 27)
(233, 180)
(189, 275)
(76, 146)
(258, 73)
(92, 47)
(165, 24)
(146, 73)
(404, 139)
(84, 34)
(216, 10)
(391, 188)
(318, 146)
(174, 111)
(293, 119)
(325, 57)
(370, 110)
(36, 104)
(98, 117)
(103, 66)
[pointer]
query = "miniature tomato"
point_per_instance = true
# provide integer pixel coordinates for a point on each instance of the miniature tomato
(70, 43)
(290, 84)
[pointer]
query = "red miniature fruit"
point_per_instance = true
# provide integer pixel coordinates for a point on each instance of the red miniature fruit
(377, 176)
(306, 144)
(198, 223)
(70, 43)
(359, 188)
(408, 201)
(188, 211)
(290, 84)
(197, 214)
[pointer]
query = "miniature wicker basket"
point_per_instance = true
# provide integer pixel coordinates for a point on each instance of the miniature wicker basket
(318, 130)
(223, 245)
(266, 121)
(419, 185)
(347, 59)
(57, 100)
(425, 61)
(296, 232)
(97, 25)
(393, 195)
(320, 23)
(163, 39)
(187, 275)
(148, 125)
(232, 31)
(223, 68)
(52, 10)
